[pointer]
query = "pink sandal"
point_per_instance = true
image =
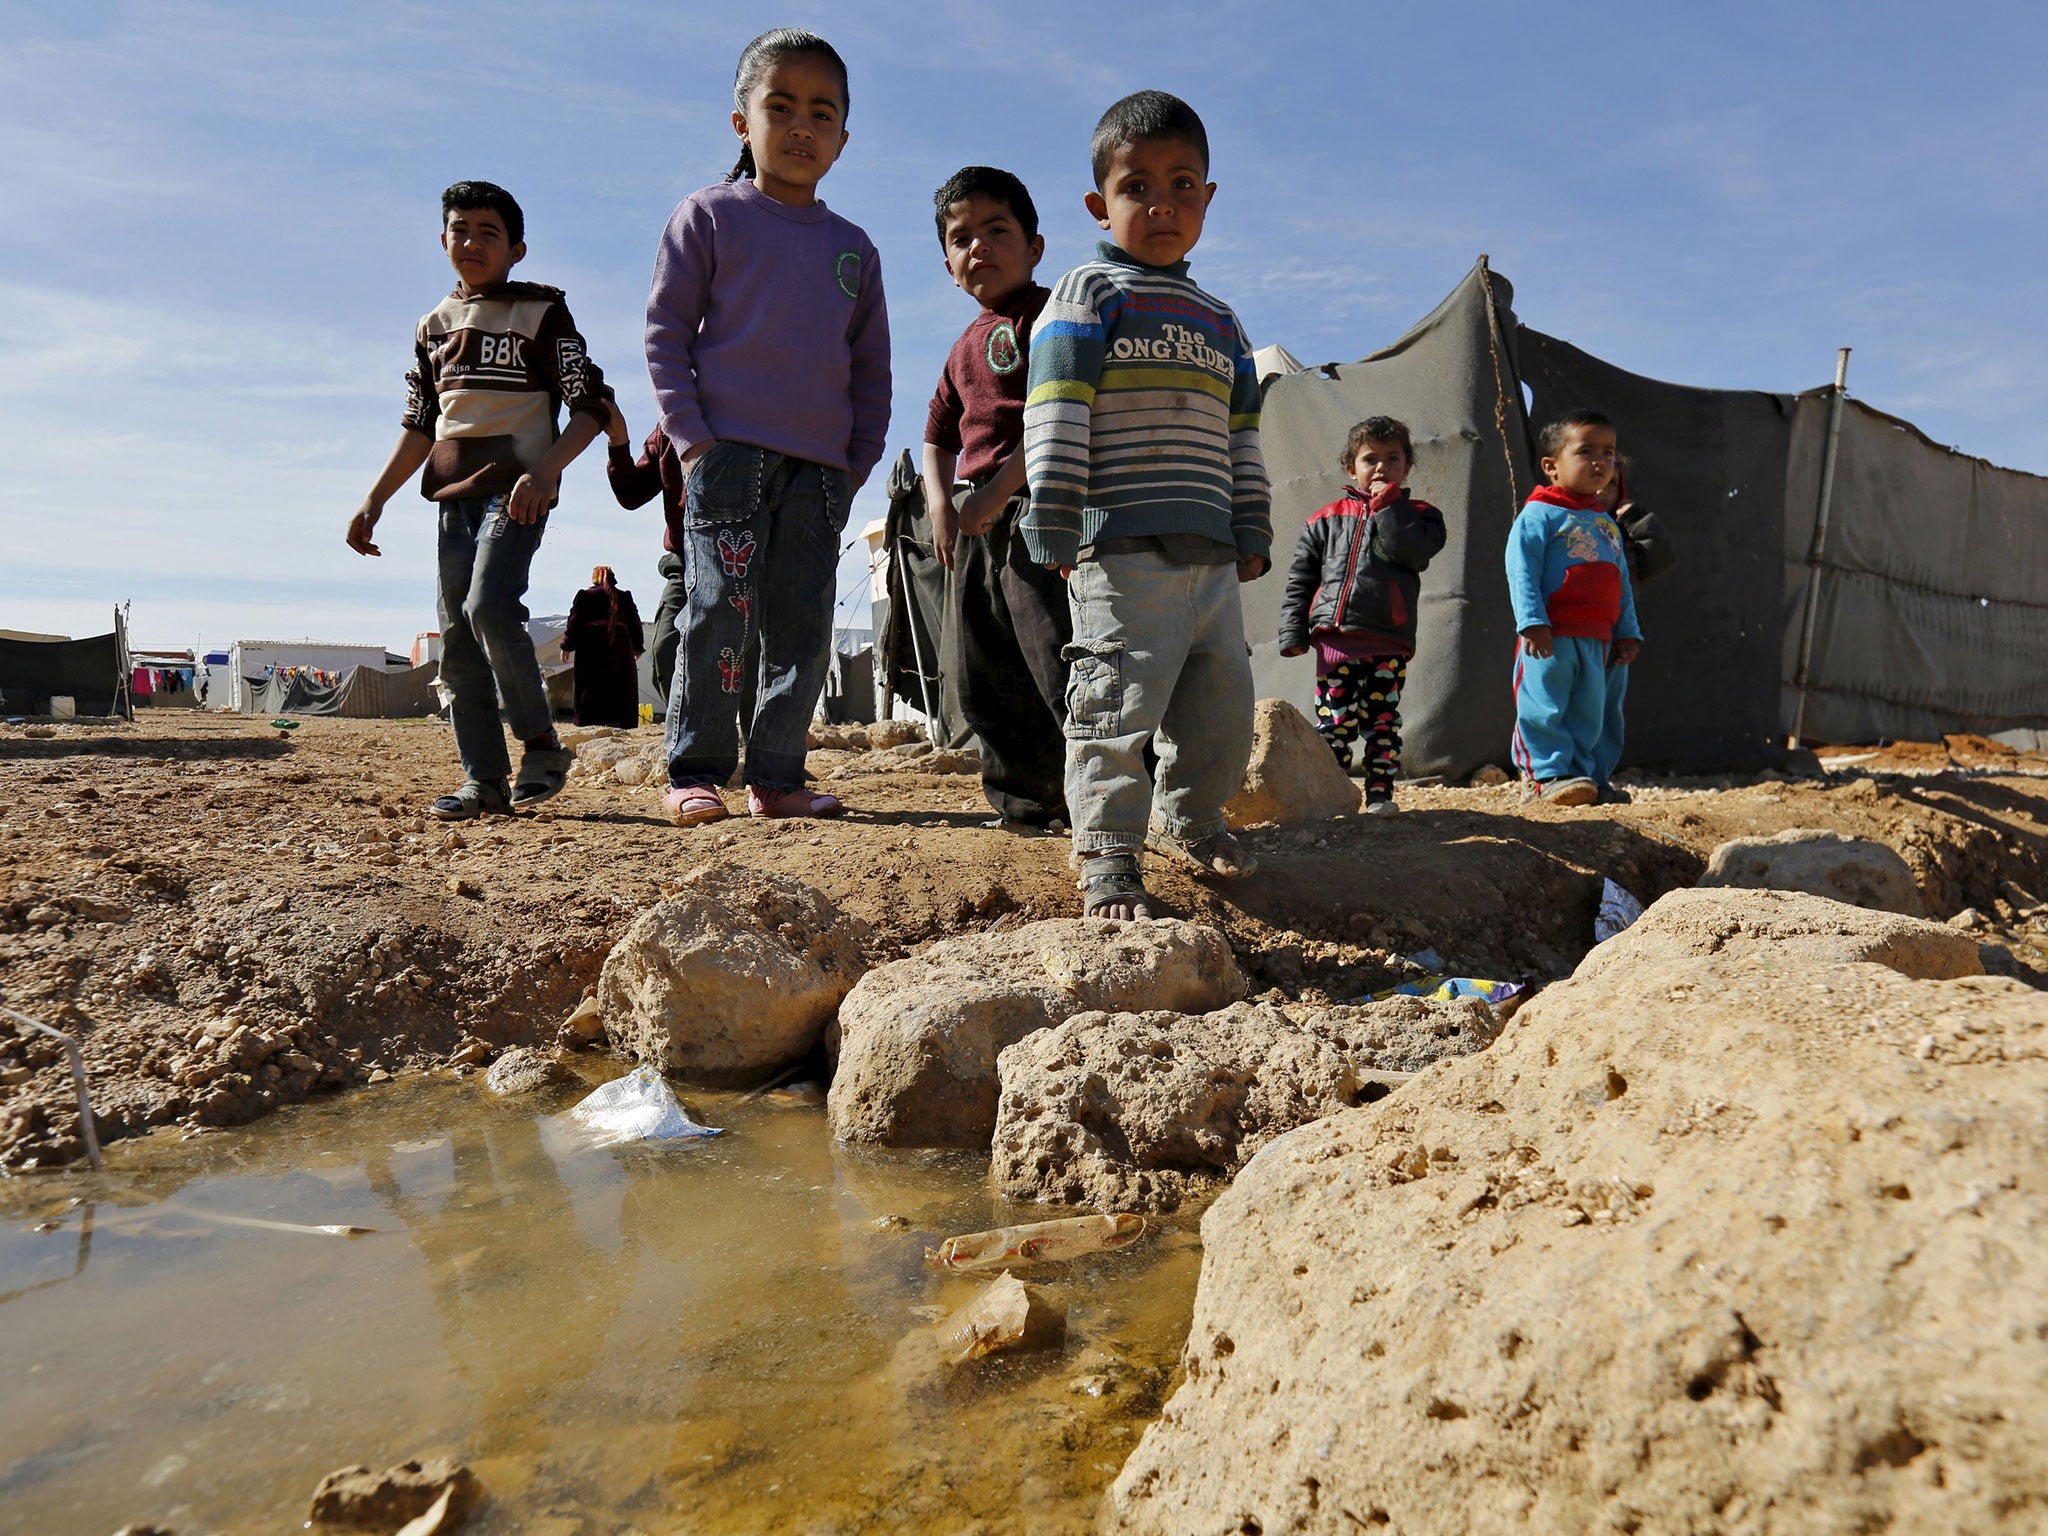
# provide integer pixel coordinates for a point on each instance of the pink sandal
(790, 802)
(695, 806)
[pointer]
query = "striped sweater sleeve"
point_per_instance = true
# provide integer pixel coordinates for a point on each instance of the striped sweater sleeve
(1067, 350)
(1251, 494)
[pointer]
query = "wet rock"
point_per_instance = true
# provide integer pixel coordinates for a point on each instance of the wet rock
(1140, 1111)
(1848, 869)
(732, 977)
(1810, 928)
(357, 1499)
(1293, 776)
(1648, 1263)
(918, 1039)
(806, 1095)
(583, 1029)
(524, 1070)
(1009, 1317)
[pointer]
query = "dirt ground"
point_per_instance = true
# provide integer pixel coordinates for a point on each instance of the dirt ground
(230, 917)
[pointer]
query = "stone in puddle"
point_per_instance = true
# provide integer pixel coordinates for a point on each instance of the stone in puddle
(357, 1499)
(525, 1070)
(1008, 1317)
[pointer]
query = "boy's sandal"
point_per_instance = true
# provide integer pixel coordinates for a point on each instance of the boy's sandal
(541, 776)
(1219, 856)
(476, 797)
(781, 803)
(693, 806)
(1113, 880)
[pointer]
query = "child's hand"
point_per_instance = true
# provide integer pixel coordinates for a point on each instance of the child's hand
(1064, 570)
(945, 528)
(615, 428)
(1293, 650)
(1536, 641)
(530, 498)
(1625, 651)
(361, 526)
(1252, 567)
(979, 511)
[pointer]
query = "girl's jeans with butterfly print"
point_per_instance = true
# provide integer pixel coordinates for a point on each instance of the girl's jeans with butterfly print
(763, 531)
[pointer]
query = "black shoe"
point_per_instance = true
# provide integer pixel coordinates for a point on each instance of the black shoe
(1609, 795)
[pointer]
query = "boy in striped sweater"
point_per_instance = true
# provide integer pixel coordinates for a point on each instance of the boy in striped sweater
(1148, 493)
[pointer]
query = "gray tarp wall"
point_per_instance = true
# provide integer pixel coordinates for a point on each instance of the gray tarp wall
(89, 672)
(1711, 464)
(1933, 591)
(1440, 379)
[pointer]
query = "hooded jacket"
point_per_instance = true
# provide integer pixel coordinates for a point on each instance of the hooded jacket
(1357, 569)
(1566, 569)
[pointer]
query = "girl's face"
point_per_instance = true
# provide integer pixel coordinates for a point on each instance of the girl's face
(1380, 466)
(795, 123)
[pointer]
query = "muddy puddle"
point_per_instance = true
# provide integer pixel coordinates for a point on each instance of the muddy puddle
(730, 1335)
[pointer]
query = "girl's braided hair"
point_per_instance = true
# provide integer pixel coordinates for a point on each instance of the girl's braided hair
(761, 55)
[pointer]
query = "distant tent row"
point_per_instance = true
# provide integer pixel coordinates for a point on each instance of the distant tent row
(1915, 605)
(364, 693)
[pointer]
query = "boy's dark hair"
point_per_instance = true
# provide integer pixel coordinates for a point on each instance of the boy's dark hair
(486, 194)
(1377, 429)
(761, 55)
(1141, 116)
(986, 181)
(1551, 438)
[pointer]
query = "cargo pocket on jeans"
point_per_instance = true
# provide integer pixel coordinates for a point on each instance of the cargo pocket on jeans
(1095, 689)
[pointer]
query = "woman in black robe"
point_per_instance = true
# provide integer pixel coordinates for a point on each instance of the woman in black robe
(605, 637)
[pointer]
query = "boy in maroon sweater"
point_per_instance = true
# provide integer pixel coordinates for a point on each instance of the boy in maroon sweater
(1010, 618)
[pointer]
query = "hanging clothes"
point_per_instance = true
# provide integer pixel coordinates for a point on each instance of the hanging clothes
(605, 637)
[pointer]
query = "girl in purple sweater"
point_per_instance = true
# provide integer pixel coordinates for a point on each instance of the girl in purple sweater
(768, 345)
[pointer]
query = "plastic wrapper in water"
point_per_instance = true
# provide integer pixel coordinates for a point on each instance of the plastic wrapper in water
(1038, 1242)
(636, 1107)
(1618, 910)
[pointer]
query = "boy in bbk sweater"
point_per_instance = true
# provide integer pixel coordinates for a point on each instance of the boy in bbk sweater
(1569, 582)
(1010, 624)
(493, 365)
(1148, 492)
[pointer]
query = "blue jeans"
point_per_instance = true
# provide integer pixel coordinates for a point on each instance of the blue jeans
(486, 653)
(1560, 709)
(1158, 655)
(763, 531)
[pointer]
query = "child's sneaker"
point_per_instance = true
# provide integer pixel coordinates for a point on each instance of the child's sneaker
(1609, 795)
(476, 797)
(542, 773)
(1573, 791)
(1380, 808)
(694, 806)
(782, 803)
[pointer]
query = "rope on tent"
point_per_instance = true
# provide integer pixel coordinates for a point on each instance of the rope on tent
(1500, 396)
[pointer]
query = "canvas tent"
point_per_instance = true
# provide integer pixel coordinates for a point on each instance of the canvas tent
(1929, 591)
(92, 673)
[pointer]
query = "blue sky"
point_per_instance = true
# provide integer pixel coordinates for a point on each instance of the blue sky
(221, 217)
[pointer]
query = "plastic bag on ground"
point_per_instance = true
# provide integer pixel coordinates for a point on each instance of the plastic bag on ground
(1446, 989)
(1618, 910)
(637, 1107)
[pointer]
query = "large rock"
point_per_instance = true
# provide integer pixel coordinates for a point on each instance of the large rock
(1293, 775)
(1715, 922)
(919, 1038)
(1851, 869)
(1403, 1034)
(1139, 1111)
(1747, 1241)
(357, 1499)
(733, 976)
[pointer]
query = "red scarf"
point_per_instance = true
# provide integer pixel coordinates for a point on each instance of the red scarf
(1557, 496)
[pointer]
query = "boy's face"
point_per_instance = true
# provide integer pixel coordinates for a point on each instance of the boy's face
(986, 250)
(795, 123)
(1380, 466)
(478, 247)
(1584, 462)
(1154, 198)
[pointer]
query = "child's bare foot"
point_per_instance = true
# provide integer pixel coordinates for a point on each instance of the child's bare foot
(1112, 886)
(1218, 856)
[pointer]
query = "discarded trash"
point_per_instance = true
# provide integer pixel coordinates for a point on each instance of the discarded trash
(1618, 910)
(1428, 959)
(1008, 1315)
(284, 725)
(1448, 989)
(328, 1230)
(1038, 1242)
(637, 1107)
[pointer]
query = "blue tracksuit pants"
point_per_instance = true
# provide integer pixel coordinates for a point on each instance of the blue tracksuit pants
(1561, 709)
(1612, 728)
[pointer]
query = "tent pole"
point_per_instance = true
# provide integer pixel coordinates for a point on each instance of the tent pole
(1820, 543)
(924, 688)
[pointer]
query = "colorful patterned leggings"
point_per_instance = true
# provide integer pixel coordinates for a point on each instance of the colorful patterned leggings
(1363, 699)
